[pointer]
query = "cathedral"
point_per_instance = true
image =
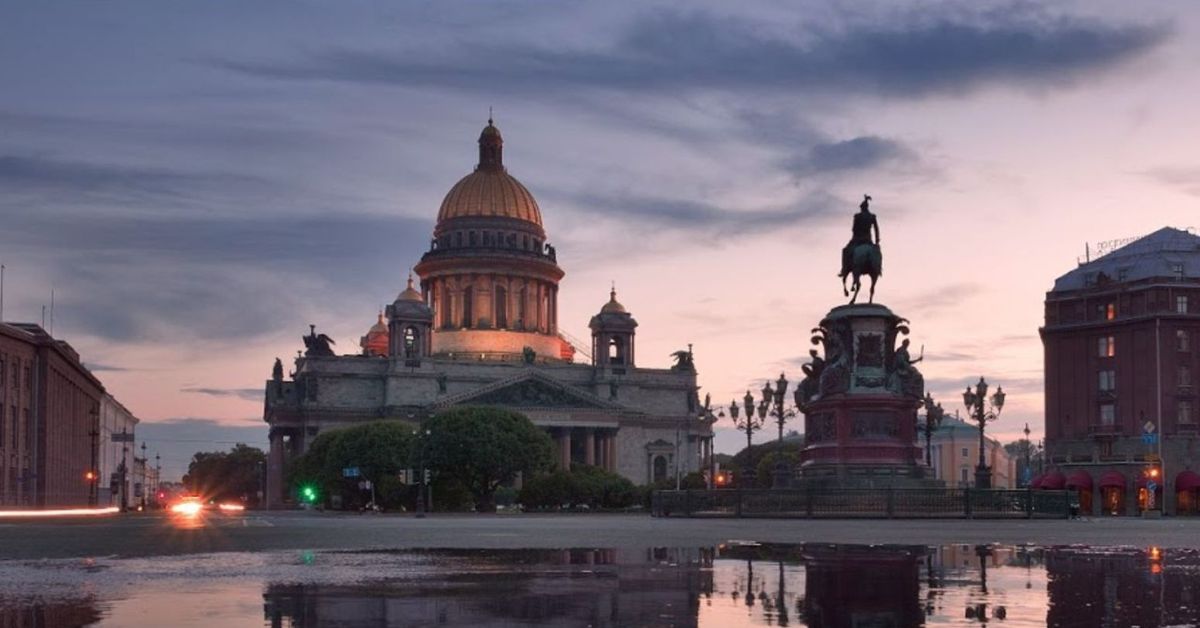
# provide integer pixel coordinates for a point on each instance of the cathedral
(480, 327)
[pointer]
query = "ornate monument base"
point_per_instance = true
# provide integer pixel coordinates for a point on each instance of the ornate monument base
(860, 403)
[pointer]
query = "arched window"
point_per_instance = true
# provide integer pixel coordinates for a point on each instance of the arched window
(660, 468)
(501, 307)
(467, 321)
(616, 351)
(471, 238)
(410, 342)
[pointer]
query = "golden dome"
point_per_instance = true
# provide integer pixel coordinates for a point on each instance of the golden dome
(613, 306)
(490, 192)
(409, 294)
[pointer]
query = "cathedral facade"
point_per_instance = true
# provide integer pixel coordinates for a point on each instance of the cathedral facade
(482, 329)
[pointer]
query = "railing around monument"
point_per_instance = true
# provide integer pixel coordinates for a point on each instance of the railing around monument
(864, 503)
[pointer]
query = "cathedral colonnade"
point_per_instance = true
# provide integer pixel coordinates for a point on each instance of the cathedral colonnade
(595, 446)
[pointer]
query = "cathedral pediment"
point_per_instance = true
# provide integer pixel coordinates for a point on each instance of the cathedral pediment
(530, 390)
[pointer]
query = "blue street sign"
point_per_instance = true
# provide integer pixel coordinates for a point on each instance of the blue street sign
(350, 472)
(1149, 438)
(1151, 486)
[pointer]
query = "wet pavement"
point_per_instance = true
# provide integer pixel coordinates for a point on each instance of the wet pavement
(498, 575)
(735, 584)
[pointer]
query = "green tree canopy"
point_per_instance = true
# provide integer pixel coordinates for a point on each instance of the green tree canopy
(483, 447)
(380, 450)
(227, 475)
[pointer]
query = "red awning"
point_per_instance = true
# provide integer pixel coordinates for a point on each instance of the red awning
(1079, 481)
(1112, 479)
(1036, 482)
(1187, 480)
(1053, 481)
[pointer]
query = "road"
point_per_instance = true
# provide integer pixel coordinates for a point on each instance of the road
(160, 534)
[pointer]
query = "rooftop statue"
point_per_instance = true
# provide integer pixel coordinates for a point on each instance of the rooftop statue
(684, 360)
(862, 256)
(317, 345)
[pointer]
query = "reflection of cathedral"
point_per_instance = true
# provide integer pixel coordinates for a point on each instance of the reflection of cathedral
(482, 329)
(599, 588)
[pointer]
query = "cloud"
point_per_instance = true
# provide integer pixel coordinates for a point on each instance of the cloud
(929, 302)
(175, 440)
(667, 51)
(248, 394)
(105, 368)
(1186, 180)
(44, 180)
(860, 153)
(192, 274)
(685, 215)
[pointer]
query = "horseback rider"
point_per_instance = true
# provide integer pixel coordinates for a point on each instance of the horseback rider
(864, 222)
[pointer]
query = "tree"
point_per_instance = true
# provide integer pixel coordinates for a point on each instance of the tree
(231, 475)
(482, 448)
(379, 450)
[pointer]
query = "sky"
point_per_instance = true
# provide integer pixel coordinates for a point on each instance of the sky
(197, 182)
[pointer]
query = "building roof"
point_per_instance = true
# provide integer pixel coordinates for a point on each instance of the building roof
(490, 192)
(613, 306)
(1156, 255)
(952, 427)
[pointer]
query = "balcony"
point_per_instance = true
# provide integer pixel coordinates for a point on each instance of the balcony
(1105, 429)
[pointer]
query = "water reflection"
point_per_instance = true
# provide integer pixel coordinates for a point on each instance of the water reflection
(736, 584)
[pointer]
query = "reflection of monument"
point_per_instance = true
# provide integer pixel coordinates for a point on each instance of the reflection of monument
(860, 397)
(862, 586)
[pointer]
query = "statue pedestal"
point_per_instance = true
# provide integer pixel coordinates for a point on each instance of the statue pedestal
(860, 414)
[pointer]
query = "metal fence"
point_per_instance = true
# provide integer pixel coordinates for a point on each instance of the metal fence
(882, 503)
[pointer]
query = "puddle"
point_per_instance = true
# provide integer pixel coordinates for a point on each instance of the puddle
(736, 584)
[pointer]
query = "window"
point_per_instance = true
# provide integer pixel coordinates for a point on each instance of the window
(410, 342)
(1108, 413)
(1108, 380)
(1181, 304)
(1183, 341)
(964, 452)
(1177, 270)
(1123, 273)
(466, 309)
(501, 307)
(1106, 311)
(962, 475)
(1186, 416)
(1185, 376)
(1106, 346)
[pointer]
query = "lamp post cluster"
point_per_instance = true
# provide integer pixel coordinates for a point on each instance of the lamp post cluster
(934, 414)
(772, 403)
(983, 410)
(749, 424)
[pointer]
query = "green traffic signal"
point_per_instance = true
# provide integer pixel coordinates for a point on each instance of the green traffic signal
(308, 493)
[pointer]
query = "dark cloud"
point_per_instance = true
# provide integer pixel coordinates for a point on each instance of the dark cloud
(33, 179)
(666, 51)
(699, 217)
(248, 394)
(105, 368)
(860, 153)
(192, 274)
(1186, 180)
(938, 299)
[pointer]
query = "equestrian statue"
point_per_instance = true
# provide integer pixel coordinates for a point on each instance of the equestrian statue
(861, 256)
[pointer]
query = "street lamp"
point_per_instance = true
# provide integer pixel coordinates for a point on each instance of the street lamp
(774, 398)
(974, 400)
(749, 425)
(933, 420)
(1027, 473)
(707, 419)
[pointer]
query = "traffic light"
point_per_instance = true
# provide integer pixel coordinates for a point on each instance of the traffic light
(308, 493)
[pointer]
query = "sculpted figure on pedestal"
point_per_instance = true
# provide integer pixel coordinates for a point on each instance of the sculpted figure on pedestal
(904, 378)
(861, 256)
(317, 345)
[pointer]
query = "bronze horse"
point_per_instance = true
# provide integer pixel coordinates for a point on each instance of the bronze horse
(867, 260)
